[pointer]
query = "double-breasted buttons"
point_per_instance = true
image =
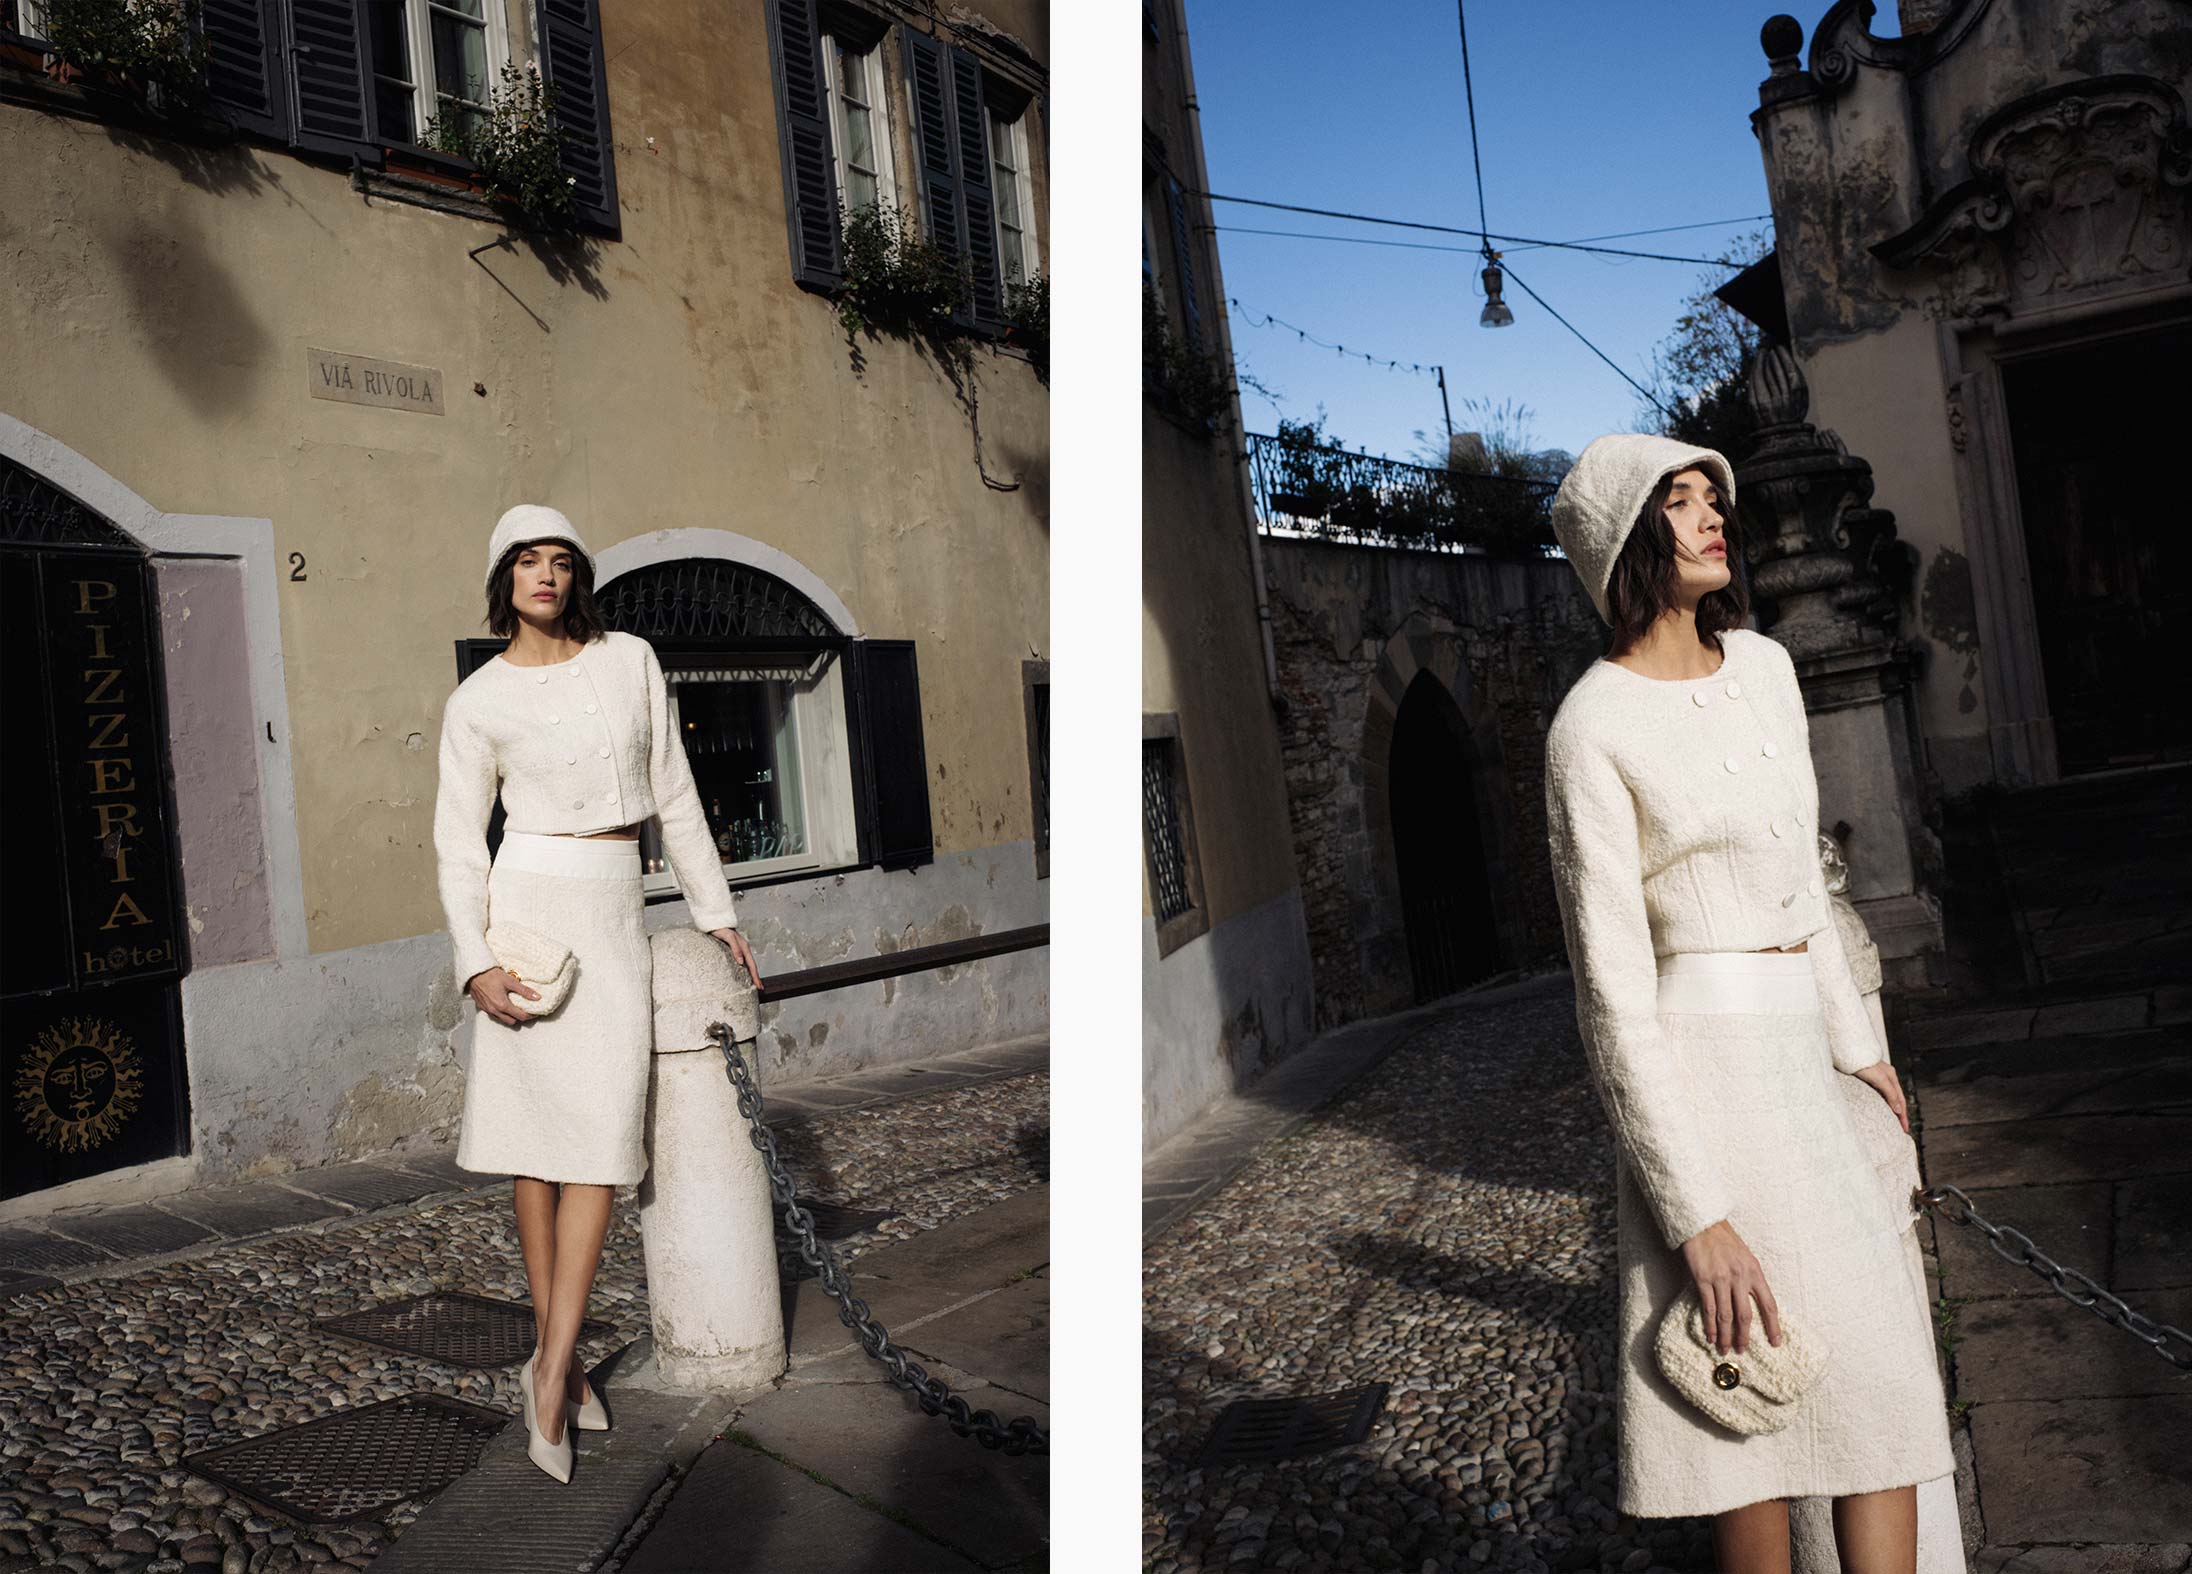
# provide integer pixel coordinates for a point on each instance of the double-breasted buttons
(542, 678)
(1735, 689)
(590, 710)
(578, 803)
(1789, 900)
(552, 716)
(1769, 749)
(1775, 827)
(1733, 764)
(572, 759)
(605, 751)
(1814, 888)
(1700, 699)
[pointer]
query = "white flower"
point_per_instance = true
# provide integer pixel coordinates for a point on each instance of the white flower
(570, 180)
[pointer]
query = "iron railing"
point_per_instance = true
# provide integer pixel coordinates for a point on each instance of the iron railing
(1334, 495)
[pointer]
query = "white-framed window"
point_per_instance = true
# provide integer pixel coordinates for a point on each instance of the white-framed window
(767, 740)
(1015, 193)
(433, 59)
(24, 17)
(860, 123)
(1152, 251)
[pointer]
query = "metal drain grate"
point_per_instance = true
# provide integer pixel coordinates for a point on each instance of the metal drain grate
(451, 1327)
(356, 1462)
(1260, 1430)
(833, 1222)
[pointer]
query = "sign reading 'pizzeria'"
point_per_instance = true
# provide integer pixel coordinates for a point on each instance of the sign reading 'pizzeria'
(360, 379)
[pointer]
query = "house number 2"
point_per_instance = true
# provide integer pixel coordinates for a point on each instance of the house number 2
(296, 565)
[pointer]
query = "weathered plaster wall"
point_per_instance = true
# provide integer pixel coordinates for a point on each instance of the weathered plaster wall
(1354, 624)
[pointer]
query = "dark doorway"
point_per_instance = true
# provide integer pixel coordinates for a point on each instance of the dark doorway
(2095, 432)
(1445, 890)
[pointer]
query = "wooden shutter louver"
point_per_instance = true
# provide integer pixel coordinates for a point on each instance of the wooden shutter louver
(1183, 262)
(985, 308)
(929, 84)
(893, 759)
(327, 71)
(244, 65)
(803, 137)
(571, 60)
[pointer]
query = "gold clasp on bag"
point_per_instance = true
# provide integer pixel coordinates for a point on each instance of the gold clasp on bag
(1726, 1376)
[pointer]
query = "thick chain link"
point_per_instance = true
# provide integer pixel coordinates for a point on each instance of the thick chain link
(2015, 1246)
(1020, 1435)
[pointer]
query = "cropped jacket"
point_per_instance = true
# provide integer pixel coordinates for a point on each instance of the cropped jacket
(1683, 816)
(575, 747)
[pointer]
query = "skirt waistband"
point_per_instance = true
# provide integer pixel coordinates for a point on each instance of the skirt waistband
(611, 858)
(1772, 983)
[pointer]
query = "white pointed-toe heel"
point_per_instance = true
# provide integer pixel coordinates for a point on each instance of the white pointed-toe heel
(590, 1416)
(555, 1458)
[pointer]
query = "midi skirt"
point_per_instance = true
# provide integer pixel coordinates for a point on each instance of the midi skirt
(1746, 1032)
(564, 1097)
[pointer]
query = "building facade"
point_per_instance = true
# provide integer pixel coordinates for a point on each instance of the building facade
(271, 365)
(1226, 985)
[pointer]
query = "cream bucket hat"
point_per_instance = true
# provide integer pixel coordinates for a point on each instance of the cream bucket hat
(532, 522)
(1597, 504)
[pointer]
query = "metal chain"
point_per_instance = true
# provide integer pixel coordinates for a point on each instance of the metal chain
(1020, 1435)
(2015, 1246)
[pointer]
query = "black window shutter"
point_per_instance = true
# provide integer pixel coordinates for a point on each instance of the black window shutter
(571, 58)
(328, 77)
(892, 762)
(1183, 264)
(803, 138)
(244, 65)
(985, 307)
(935, 141)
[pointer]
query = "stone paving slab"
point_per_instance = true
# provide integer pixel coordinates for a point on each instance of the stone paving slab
(1010, 1330)
(777, 1517)
(2147, 1080)
(1962, 1028)
(509, 1514)
(2074, 1224)
(2153, 1230)
(136, 1230)
(252, 1209)
(27, 1251)
(364, 1186)
(2072, 1147)
(2050, 1349)
(2089, 1559)
(2104, 1470)
(2109, 1014)
(441, 1165)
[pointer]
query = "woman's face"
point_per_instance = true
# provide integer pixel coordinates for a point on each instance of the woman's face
(540, 582)
(1701, 550)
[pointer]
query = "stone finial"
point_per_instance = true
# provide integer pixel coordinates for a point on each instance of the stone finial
(1778, 391)
(1782, 38)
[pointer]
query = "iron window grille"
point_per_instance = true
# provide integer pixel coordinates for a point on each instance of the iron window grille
(1168, 836)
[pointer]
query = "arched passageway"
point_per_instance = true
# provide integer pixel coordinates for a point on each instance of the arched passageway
(1438, 844)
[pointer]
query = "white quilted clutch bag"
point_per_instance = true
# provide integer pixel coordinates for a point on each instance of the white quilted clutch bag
(545, 964)
(1752, 1391)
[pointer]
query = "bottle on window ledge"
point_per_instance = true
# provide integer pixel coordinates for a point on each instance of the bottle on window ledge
(723, 832)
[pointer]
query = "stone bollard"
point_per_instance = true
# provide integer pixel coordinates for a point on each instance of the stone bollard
(705, 1216)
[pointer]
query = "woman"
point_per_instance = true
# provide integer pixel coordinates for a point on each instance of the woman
(1716, 1009)
(571, 723)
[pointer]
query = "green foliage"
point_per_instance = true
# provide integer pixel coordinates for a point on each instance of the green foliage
(1334, 493)
(154, 43)
(1183, 382)
(1027, 319)
(514, 146)
(895, 282)
(1701, 370)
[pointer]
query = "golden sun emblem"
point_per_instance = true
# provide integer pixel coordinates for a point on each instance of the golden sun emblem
(79, 1084)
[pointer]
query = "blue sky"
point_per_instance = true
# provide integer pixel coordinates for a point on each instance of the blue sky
(1594, 116)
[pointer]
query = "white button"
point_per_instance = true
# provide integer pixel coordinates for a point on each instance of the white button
(611, 797)
(1775, 827)
(543, 678)
(555, 718)
(589, 710)
(605, 751)
(1733, 764)
(1789, 899)
(1768, 749)
(1814, 888)
(1698, 699)
(572, 759)
(1735, 689)
(580, 803)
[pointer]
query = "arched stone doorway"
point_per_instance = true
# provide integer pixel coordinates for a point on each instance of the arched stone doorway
(1447, 908)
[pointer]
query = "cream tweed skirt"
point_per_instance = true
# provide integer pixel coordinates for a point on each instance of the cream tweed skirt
(564, 1097)
(1745, 1030)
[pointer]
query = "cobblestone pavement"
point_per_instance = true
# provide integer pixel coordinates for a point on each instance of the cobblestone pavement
(1446, 1227)
(106, 1382)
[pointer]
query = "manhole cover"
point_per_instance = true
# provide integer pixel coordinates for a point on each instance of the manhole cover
(833, 1222)
(356, 1462)
(1257, 1430)
(451, 1327)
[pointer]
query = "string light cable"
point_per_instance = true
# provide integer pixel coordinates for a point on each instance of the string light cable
(1257, 320)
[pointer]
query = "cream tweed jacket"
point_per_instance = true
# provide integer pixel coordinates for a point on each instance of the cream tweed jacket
(578, 746)
(1683, 816)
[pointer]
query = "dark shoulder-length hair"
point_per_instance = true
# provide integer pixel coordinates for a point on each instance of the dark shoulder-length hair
(581, 617)
(1648, 573)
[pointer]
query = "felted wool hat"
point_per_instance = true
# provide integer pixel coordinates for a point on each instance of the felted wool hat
(1597, 504)
(532, 522)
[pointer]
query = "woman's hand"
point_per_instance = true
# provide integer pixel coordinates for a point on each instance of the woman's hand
(492, 987)
(741, 950)
(1728, 1277)
(1881, 1078)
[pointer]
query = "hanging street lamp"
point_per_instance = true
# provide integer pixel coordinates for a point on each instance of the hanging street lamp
(1495, 313)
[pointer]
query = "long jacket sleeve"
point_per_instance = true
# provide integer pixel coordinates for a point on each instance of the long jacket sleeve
(464, 796)
(1591, 819)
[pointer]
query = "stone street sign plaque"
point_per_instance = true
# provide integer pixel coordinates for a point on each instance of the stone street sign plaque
(360, 379)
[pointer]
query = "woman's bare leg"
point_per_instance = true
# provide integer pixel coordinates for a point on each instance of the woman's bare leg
(537, 1210)
(581, 1224)
(1753, 1539)
(1877, 1532)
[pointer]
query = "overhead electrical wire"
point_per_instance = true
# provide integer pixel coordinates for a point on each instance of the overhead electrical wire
(1461, 15)
(1594, 349)
(1267, 321)
(1520, 242)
